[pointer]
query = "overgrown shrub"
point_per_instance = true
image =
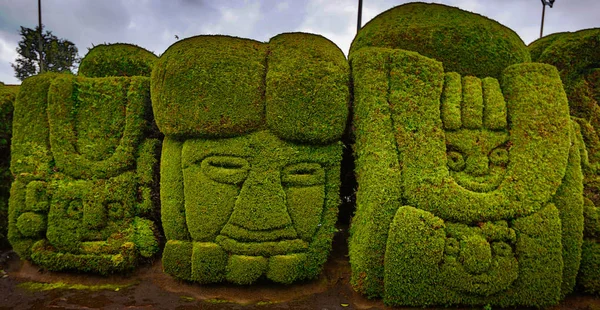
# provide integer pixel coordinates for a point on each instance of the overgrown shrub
(250, 169)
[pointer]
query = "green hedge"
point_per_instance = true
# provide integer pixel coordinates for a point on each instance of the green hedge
(84, 173)
(575, 55)
(250, 170)
(117, 59)
(7, 99)
(464, 42)
(464, 184)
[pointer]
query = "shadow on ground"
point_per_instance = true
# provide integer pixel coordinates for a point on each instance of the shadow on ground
(150, 288)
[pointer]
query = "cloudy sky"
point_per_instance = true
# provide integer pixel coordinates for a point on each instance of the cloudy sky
(154, 24)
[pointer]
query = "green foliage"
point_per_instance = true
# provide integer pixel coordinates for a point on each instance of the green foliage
(296, 85)
(7, 99)
(210, 86)
(241, 199)
(464, 184)
(117, 59)
(84, 173)
(307, 88)
(576, 57)
(465, 42)
(57, 55)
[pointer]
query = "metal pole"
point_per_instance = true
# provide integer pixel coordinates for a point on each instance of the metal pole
(359, 24)
(40, 36)
(543, 13)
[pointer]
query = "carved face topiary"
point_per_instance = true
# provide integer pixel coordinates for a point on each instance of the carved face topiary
(483, 197)
(250, 168)
(469, 188)
(84, 173)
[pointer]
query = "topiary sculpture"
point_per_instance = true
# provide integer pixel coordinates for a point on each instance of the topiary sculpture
(578, 61)
(250, 169)
(469, 187)
(84, 170)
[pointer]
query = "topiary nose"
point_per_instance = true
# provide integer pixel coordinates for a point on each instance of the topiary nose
(477, 165)
(261, 203)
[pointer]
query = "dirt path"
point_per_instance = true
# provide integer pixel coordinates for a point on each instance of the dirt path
(150, 288)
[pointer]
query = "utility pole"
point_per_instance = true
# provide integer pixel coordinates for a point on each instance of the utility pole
(544, 3)
(359, 24)
(40, 36)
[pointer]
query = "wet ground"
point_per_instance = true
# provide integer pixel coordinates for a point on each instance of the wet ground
(150, 288)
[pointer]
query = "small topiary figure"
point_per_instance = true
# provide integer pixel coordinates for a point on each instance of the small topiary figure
(578, 61)
(117, 59)
(469, 188)
(250, 169)
(83, 170)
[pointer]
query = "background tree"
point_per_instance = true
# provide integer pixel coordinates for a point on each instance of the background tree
(58, 55)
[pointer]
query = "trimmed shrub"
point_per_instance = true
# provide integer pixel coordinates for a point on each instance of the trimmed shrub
(576, 57)
(250, 169)
(469, 189)
(83, 173)
(117, 59)
(464, 42)
(7, 99)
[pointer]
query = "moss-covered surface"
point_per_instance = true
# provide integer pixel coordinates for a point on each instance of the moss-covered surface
(84, 173)
(577, 59)
(250, 169)
(466, 43)
(7, 99)
(117, 59)
(470, 190)
(39, 286)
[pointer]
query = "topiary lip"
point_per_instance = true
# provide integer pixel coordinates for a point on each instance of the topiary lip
(265, 249)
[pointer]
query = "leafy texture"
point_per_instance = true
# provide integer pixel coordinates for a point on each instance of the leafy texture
(250, 169)
(7, 99)
(83, 173)
(56, 55)
(117, 60)
(578, 61)
(469, 182)
(466, 43)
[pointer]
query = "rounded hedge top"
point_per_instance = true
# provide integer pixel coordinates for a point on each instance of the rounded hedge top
(220, 86)
(117, 59)
(573, 53)
(464, 42)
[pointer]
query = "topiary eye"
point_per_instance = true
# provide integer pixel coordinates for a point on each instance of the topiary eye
(226, 169)
(303, 174)
(499, 156)
(456, 161)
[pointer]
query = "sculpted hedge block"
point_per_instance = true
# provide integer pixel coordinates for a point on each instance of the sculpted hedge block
(469, 188)
(578, 61)
(251, 163)
(84, 173)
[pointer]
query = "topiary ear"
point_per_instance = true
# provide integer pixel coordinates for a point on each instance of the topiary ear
(210, 86)
(307, 88)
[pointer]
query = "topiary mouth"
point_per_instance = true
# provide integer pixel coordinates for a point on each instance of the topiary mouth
(266, 249)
